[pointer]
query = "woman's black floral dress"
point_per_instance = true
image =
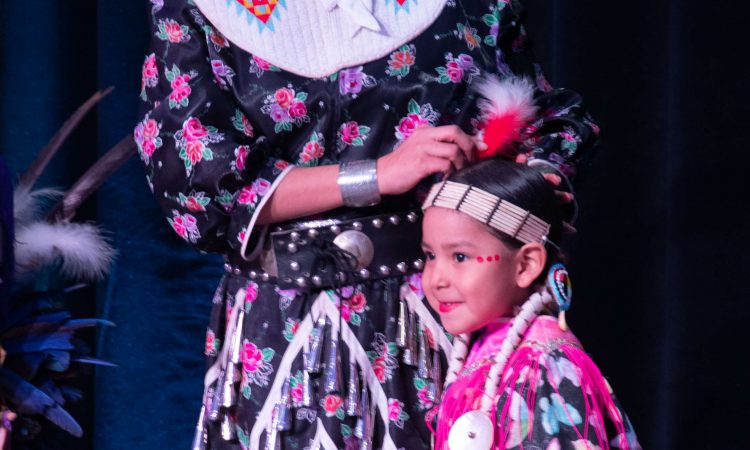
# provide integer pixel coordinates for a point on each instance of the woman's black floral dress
(220, 125)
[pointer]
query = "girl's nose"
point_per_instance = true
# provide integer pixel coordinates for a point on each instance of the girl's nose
(440, 275)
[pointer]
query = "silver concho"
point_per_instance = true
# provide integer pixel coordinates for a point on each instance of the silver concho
(472, 431)
(358, 244)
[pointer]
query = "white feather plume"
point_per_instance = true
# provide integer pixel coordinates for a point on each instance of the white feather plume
(510, 94)
(28, 205)
(80, 249)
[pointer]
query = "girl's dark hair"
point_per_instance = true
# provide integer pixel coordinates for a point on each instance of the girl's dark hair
(521, 185)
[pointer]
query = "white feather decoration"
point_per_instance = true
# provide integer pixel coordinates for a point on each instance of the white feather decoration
(510, 94)
(29, 205)
(80, 249)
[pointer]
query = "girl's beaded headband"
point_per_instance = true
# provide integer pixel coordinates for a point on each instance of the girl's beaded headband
(489, 209)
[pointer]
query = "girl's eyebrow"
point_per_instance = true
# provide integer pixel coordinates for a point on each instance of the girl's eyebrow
(460, 244)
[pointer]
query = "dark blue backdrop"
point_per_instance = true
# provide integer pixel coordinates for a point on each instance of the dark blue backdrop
(661, 255)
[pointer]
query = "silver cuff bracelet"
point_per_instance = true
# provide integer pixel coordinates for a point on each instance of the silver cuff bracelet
(358, 181)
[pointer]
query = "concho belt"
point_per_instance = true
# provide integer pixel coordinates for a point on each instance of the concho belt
(328, 253)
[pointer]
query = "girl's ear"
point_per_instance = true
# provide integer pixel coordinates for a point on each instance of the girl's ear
(530, 261)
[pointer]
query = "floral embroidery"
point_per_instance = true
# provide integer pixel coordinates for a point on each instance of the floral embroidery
(457, 69)
(519, 420)
(312, 151)
(212, 344)
(290, 328)
(250, 195)
(171, 31)
(240, 157)
(225, 199)
(352, 133)
(396, 413)
(286, 108)
(179, 82)
(353, 80)
(195, 202)
(157, 6)
(569, 140)
(149, 75)
(256, 366)
(192, 142)
(240, 123)
(215, 38)
(417, 116)
(251, 293)
(557, 411)
(423, 397)
(383, 358)
(492, 20)
(415, 284)
(333, 406)
(146, 136)
(259, 66)
(400, 62)
(279, 166)
(223, 74)
(185, 226)
(241, 234)
(468, 34)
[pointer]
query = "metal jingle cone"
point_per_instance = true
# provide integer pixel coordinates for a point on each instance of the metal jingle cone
(312, 357)
(365, 442)
(360, 430)
(212, 406)
(332, 371)
(423, 360)
(284, 408)
(352, 393)
(410, 352)
(403, 319)
(235, 351)
(200, 440)
(272, 433)
(215, 395)
(437, 382)
(228, 432)
(228, 391)
(307, 390)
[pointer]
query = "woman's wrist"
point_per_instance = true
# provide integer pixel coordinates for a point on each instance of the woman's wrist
(358, 183)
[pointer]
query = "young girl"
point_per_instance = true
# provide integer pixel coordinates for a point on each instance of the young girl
(489, 236)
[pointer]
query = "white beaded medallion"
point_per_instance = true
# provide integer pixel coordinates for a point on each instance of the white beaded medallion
(472, 431)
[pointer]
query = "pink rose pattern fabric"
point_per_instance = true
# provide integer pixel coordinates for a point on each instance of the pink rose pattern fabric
(219, 125)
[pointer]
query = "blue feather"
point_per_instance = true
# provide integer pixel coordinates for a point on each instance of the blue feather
(28, 399)
(54, 341)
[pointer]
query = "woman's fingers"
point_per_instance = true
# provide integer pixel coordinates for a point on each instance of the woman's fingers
(521, 158)
(553, 179)
(450, 152)
(564, 197)
(455, 135)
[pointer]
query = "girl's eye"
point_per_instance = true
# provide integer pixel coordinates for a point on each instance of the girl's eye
(429, 256)
(460, 257)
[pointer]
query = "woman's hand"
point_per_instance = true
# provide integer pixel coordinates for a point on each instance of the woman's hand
(427, 151)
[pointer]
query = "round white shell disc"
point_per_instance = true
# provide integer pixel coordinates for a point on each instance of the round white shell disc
(472, 431)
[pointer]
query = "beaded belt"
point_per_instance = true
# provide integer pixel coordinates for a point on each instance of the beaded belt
(325, 253)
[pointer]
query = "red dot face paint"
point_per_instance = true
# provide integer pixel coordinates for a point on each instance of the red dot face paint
(497, 257)
(480, 259)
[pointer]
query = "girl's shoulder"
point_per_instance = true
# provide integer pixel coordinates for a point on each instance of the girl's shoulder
(552, 393)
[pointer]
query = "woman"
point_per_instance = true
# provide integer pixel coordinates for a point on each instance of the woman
(320, 118)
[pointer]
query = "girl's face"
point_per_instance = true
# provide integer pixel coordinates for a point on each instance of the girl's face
(470, 276)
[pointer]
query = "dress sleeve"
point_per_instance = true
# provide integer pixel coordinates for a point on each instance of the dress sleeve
(205, 164)
(559, 400)
(564, 136)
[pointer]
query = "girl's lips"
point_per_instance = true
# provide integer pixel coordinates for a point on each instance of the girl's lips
(448, 306)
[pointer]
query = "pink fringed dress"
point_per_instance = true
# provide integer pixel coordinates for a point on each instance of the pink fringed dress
(551, 394)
